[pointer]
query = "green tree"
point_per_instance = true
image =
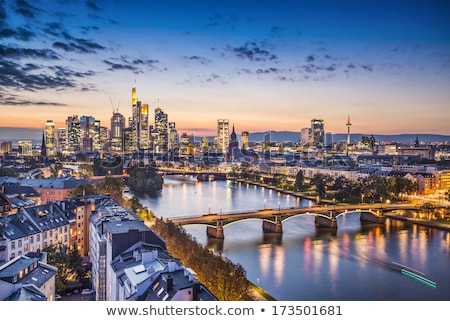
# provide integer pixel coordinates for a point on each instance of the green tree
(299, 181)
(82, 189)
(112, 186)
(144, 178)
(58, 256)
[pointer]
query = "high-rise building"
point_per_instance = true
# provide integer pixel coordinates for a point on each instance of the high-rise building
(73, 142)
(161, 127)
(305, 136)
(117, 128)
(173, 137)
(6, 147)
(25, 148)
(139, 122)
(87, 133)
(61, 139)
(244, 140)
(317, 132)
(50, 137)
(222, 135)
(233, 145)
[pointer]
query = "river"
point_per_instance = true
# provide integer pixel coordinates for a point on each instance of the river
(351, 263)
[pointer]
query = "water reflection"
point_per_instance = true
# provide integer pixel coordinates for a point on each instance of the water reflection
(353, 262)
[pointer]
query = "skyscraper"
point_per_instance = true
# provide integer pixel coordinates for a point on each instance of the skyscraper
(50, 137)
(317, 132)
(73, 135)
(117, 127)
(222, 135)
(162, 129)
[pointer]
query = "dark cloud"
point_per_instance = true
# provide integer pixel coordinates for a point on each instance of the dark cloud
(131, 64)
(199, 59)
(22, 53)
(19, 33)
(79, 45)
(25, 9)
(310, 58)
(2, 11)
(121, 66)
(367, 67)
(92, 5)
(252, 51)
(268, 71)
(14, 100)
(67, 72)
(30, 77)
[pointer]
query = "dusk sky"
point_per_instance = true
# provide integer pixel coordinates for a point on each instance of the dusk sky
(264, 65)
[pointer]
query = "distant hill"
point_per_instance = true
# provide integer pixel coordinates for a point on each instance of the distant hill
(289, 136)
(35, 135)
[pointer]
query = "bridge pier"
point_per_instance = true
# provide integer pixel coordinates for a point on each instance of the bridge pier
(272, 227)
(371, 217)
(322, 221)
(215, 232)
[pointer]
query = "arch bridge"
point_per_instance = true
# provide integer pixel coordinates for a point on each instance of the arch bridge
(272, 219)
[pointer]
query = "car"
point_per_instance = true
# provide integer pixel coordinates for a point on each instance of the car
(87, 291)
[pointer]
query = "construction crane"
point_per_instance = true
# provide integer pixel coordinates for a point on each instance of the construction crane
(112, 106)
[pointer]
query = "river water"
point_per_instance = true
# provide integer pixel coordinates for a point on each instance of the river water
(353, 262)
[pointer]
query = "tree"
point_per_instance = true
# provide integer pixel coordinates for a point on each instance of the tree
(82, 189)
(144, 178)
(299, 181)
(9, 172)
(321, 182)
(112, 186)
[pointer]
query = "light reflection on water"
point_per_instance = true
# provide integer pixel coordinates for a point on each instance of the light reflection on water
(354, 262)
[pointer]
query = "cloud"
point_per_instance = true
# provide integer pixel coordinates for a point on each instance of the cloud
(18, 33)
(198, 59)
(79, 45)
(14, 100)
(252, 51)
(131, 64)
(92, 5)
(25, 9)
(26, 53)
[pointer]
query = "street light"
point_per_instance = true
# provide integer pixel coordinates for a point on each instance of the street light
(362, 198)
(209, 208)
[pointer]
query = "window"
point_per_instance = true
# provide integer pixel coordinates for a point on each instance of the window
(19, 244)
(38, 238)
(31, 239)
(13, 245)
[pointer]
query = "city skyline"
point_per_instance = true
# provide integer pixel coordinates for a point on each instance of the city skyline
(274, 66)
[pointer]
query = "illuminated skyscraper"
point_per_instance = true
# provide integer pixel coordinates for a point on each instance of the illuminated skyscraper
(50, 137)
(117, 128)
(317, 132)
(161, 128)
(73, 134)
(139, 122)
(173, 137)
(223, 132)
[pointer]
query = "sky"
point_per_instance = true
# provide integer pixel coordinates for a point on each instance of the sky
(263, 65)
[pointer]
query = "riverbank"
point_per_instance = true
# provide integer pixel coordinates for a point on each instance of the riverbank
(442, 225)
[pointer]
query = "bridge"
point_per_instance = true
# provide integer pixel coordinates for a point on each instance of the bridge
(325, 216)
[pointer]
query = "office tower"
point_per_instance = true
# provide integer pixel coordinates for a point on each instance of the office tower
(6, 147)
(61, 139)
(143, 127)
(96, 137)
(317, 132)
(173, 137)
(73, 134)
(244, 140)
(161, 127)
(139, 122)
(185, 144)
(50, 137)
(305, 136)
(329, 140)
(117, 128)
(222, 135)
(87, 133)
(25, 148)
